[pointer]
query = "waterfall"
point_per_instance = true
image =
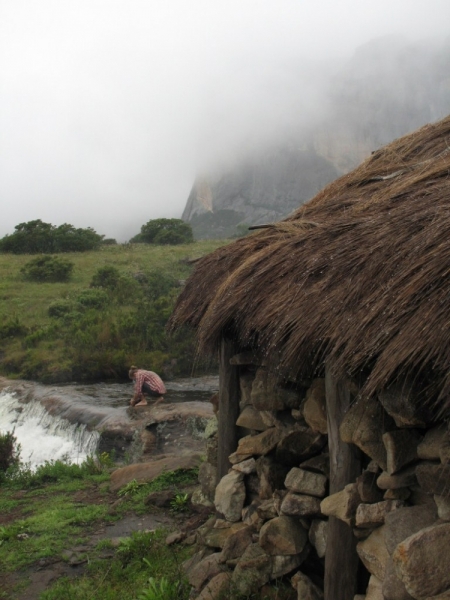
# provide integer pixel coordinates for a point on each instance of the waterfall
(43, 436)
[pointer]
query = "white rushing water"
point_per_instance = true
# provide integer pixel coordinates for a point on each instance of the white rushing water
(44, 437)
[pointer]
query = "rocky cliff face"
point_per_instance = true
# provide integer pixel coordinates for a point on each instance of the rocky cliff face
(388, 88)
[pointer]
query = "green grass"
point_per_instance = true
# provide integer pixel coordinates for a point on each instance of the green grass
(30, 301)
(49, 521)
(87, 341)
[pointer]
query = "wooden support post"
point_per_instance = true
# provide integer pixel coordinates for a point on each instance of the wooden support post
(229, 394)
(341, 559)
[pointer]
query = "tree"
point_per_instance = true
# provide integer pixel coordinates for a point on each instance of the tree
(165, 231)
(37, 237)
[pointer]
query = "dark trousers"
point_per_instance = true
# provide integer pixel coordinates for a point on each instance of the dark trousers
(146, 389)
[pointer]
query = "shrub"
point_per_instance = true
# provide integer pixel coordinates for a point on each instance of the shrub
(48, 269)
(12, 328)
(93, 299)
(60, 308)
(106, 277)
(9, 452)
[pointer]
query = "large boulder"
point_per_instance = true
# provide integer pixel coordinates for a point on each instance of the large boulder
(282, 536)
(406, 521)
(422, 561)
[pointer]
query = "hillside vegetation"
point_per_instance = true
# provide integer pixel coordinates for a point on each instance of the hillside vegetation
(95, 325)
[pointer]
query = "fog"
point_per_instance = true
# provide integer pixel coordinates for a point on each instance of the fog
(110, 108)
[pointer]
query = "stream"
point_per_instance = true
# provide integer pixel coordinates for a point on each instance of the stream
(67, 421)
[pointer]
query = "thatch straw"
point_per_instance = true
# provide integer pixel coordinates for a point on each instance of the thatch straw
(360, 275)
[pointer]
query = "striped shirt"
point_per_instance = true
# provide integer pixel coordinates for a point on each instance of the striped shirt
(153, 380)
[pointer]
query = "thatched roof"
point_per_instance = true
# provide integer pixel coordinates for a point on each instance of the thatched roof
(359, 275)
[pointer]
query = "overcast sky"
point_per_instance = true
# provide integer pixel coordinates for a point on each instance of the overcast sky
(109, 108)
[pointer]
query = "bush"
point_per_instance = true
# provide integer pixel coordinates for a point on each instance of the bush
(12, 328)
(106, 277)
(9, 452)
(60, 308)
(93, 299)
(48, 269)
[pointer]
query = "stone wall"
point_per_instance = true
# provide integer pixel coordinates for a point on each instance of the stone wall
(273, 504)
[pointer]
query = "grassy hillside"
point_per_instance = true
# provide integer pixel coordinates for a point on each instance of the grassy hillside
(96, 333)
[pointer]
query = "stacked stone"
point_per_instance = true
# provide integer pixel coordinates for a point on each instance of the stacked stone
(270, 499)
(275, 506)
(399, 506)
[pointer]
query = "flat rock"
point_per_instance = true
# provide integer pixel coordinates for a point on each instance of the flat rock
(422, 561)
(343, 504)
(260, 444)
(148, 471)
(300, 505)
(305, 482)
(246, 466)
(404, 478)
(372, 515)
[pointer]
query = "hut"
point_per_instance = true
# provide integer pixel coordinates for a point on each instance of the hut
(332, 328)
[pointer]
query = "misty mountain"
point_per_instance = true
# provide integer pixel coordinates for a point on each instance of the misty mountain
(387, 89)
